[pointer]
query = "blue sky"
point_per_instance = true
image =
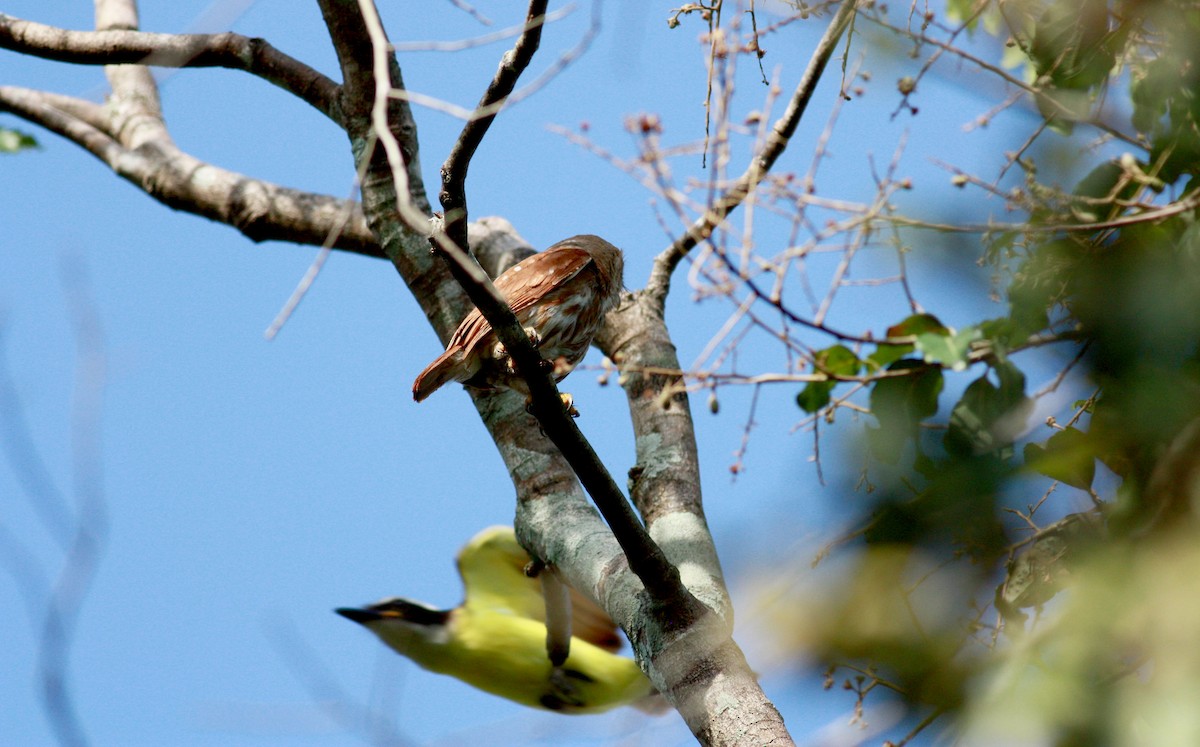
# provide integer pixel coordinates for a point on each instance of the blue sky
(253, 486)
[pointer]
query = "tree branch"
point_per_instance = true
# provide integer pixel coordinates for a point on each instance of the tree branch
(122, 46)
(659, 283)
(453, 196)
(262, 211)
(646, 559)
(664, 484)
(660, 578)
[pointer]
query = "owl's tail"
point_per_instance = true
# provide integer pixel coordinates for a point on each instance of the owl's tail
(443, 369)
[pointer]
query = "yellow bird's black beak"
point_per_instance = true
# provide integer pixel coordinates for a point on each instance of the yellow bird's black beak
(360, 616)
(395, 609)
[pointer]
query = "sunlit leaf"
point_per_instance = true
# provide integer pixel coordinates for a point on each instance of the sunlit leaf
(949, 350)
(917, 324)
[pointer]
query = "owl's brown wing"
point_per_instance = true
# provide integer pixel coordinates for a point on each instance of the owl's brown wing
(531, 279)
(522, 285)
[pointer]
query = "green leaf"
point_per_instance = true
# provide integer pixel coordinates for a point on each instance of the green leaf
(885, 355)
(900, 403)
(814, 395)
(1101, 182)
(949, 350)
(1068, 43)
(908, 398)
(987, 417)
(917, 324)
(1067, 457)
(838, 360)
(13, 141)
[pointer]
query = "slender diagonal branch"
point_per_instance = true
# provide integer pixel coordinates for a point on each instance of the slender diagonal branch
(659, 283)
(454, 171)
(226, 50)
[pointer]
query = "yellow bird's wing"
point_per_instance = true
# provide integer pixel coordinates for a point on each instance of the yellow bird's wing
(492, 565)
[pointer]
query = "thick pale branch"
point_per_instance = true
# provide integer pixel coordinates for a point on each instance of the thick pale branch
(260, 210)
(777, 140)
(225, 50)
(665, 482)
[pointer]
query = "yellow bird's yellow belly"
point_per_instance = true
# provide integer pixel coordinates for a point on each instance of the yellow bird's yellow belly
(506, 655)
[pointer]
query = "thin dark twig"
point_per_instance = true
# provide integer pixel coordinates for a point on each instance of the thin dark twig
(758, 51)
(934, 715)
(454, 171)
(739, 456)
(777, 141)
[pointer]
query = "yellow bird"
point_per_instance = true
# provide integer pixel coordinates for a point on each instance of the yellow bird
(496, 639)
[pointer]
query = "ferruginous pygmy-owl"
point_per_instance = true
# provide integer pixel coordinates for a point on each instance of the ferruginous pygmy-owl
(560, 296)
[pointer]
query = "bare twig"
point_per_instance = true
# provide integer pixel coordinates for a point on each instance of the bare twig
(314, 269)
(471, 11)
(565, 59)
(458, 45)
(659, 282)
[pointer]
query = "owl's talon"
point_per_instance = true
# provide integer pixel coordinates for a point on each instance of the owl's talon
(500, 353)
(534, 338)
